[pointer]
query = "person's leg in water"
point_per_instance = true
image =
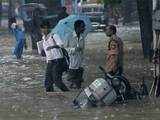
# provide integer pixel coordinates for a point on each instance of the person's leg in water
(76, 77)
(16, 48)
(79, 79)
(72, 77)
(81, 71)
(20, 48)
(49, 78)
(25, 44)
(57, 75)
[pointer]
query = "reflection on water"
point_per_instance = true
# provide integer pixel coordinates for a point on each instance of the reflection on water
(23, 98)
(39, 112)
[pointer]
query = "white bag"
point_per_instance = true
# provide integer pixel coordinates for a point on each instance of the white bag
(40, 46)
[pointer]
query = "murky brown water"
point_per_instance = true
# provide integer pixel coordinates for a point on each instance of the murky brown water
(22, 95)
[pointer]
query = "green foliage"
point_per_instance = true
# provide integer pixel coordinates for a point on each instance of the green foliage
(4, 0)
(28, 1)
(99, 1)
(111, 2)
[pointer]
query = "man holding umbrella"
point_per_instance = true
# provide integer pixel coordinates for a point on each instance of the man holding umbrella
(73, 30)
(75, 47)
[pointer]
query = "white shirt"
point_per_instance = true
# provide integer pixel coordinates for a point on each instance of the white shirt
(54, 53)
(75, 56)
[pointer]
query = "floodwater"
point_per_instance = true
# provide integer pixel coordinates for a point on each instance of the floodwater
(22, 95)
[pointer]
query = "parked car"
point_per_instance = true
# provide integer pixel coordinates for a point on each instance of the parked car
(96, 14)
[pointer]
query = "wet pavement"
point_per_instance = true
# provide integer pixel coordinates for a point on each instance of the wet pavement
(22, 95)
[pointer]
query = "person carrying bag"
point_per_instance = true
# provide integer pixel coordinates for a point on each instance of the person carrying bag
(55, 59)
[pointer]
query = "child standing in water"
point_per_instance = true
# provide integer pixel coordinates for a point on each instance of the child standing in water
(19, 34)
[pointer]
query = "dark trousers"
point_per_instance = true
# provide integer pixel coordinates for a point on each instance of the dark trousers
(54, 76)
(76, 77)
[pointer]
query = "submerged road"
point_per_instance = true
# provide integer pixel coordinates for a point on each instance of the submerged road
(22, 95)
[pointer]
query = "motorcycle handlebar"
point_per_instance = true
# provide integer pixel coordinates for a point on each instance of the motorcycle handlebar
(107, 75)
(102, 69)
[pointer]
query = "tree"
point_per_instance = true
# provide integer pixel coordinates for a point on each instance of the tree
(111, 9)
(127, 11)
(145, 19)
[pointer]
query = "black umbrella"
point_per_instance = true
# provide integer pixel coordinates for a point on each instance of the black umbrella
(29, 10)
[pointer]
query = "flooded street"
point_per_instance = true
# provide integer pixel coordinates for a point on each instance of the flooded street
(22, 95)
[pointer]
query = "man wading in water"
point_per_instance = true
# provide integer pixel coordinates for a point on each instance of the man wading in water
(114, 61)
(75, 47)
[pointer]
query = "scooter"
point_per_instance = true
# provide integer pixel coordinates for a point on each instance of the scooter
(106, 91)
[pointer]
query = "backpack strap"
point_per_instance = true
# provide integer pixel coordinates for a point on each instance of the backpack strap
(55, 44)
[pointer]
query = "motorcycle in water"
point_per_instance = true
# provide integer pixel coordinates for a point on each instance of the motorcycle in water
(105, 90)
